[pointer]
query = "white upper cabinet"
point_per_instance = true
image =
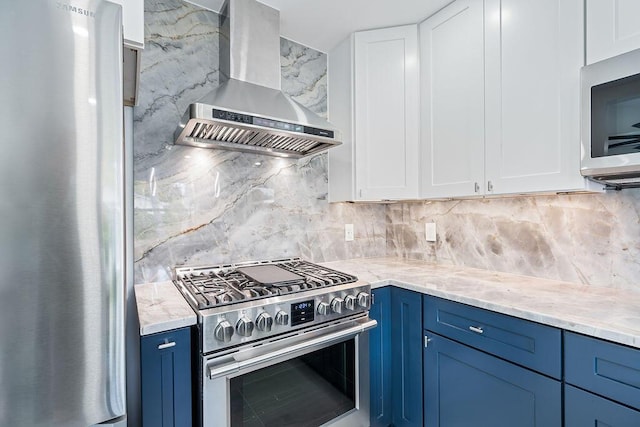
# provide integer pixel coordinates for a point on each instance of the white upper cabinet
(534, 51)
(501, 98)
(613, 27)
(452, 107)
(133, 22)
(374, 100)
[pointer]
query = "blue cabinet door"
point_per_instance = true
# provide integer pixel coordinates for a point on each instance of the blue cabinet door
(165, 368)
(585, 409)
(466, 387)
(406, 356)
(608, 369)
(380, 358)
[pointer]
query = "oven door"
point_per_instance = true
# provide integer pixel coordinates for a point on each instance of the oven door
(318, 377)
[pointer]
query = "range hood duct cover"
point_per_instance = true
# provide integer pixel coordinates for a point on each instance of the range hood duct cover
(248, 111)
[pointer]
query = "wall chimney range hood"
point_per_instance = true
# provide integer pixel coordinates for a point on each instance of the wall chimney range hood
(248, 112)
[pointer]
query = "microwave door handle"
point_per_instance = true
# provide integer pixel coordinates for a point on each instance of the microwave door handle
(291, 351)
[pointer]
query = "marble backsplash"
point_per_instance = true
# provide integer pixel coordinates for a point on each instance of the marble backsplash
(589, 239)
(196, 206)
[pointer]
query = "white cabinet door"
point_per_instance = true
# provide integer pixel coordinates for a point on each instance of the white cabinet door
(386, 100)
(133, 22)
(613, 27)
(341, 168)
(452, 101)
(534, 51)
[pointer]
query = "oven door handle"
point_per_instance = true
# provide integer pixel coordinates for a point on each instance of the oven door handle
(292, 350)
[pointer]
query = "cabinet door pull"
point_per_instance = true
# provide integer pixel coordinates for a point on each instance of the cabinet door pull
(427, 340)
(476, 329)
(166, 345)
(489, 186)
(476, 187)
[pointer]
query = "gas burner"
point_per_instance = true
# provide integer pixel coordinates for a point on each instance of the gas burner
(222, 287)
(207, 287)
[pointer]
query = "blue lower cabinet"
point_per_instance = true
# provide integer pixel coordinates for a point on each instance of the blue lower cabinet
(582, 408)
(466, 387)
(532, 345)
(165, 367)
(406, 357)
(396, 358)
(380, 358)
(607, 369)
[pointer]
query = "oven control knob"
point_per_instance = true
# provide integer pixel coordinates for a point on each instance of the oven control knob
(337, 304)
(244, 327)
(323, 308)
(364, 299)
(264, 321)
(350, 302)
(282, 318)
(224, 331)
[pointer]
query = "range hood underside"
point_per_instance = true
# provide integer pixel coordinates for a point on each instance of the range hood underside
(618, 181)
(210, 133)
(232, 117)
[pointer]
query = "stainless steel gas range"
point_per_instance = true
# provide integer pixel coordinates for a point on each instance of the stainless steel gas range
(277, 335)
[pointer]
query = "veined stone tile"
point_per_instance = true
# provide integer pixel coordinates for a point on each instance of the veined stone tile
(196, 206)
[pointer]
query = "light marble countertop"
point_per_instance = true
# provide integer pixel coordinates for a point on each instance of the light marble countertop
(607, 313)
(161, 307)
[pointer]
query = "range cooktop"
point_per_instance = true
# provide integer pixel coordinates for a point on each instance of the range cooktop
(207, 287)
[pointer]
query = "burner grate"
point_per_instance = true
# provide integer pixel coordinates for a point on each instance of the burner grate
(215, 286)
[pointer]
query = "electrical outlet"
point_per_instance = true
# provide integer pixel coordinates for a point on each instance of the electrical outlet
(348, 232)
(430, 231)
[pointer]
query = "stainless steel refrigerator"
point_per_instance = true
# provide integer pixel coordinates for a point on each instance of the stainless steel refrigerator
(62, 214)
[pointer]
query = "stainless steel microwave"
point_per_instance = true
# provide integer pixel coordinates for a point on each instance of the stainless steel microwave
(611, 121)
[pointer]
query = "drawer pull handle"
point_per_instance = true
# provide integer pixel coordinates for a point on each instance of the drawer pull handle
(166, 345)
(476, 329)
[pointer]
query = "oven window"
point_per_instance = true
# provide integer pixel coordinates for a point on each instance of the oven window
(307, 391)
(615, 117)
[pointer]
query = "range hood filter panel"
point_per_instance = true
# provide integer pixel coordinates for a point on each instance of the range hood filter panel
(243, 132)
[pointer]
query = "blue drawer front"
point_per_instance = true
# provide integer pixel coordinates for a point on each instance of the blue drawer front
(529, 344)
(608, 369)
(465, 387)
(585, 409)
